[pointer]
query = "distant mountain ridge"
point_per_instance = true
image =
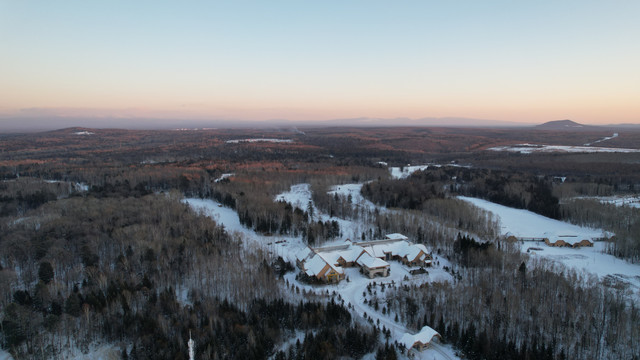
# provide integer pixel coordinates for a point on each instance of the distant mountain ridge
(568, 125)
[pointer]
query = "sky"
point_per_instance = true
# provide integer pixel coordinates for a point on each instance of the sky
(520, 61)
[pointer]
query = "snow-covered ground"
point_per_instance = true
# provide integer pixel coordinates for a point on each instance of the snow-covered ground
(5, 355)
(531, 148)
(404, 172)
(350, 291)
(356, 197)
(96, 352)
(615, 135)
(523, 223)
(300, 196)
(258, 140)
(224, 176)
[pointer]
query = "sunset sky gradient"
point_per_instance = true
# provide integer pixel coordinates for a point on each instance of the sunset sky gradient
(522, 61)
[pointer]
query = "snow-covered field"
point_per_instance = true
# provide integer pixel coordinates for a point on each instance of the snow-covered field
(523, 223)
(531, 148)
(350, 291)
(258, 140)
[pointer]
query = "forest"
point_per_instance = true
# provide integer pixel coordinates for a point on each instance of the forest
(97, 245)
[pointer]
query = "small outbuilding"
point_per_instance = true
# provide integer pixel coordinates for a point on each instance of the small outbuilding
(421, 340)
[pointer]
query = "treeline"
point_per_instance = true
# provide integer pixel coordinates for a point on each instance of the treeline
(503, 306)
(523, 191)
(21, 194)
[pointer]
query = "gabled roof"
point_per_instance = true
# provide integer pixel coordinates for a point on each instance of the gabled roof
(351, 254)
(569, 239)
(314, 266)
(424, 337)
(371, 262)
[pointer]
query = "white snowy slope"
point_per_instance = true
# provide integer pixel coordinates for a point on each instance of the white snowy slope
(356, 197)
(523, 223)
(404, 172)
(300, 196)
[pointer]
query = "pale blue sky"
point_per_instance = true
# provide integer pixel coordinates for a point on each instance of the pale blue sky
(504, 60)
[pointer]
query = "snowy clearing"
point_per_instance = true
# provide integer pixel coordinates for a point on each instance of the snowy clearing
(615, 135)
(224, 176)
(84, 133)
(357, 199)
(532, 148)
(523, 223)
(300, 196)
(405, 171)
(259, 140)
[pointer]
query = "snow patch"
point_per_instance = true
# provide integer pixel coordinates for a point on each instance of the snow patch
(237, 141)
(615, 135)
(224, 176)
(533, 148)
(404, 172)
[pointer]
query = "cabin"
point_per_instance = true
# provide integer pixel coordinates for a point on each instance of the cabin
(567, 241)
(421, 340)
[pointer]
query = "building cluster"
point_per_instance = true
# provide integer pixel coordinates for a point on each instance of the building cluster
(327, 263)
(556, 240)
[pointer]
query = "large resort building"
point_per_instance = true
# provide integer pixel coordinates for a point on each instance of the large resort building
(327, 264)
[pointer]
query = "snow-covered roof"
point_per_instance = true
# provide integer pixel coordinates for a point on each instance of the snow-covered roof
(351, 254)
(424, 337)
(396, 236)
(371, 262)
(304, 254)
(413, 251)
(315, 265)
(569, 239)
(399, 248)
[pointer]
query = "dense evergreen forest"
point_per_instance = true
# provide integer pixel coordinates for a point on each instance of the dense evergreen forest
(98, 247)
